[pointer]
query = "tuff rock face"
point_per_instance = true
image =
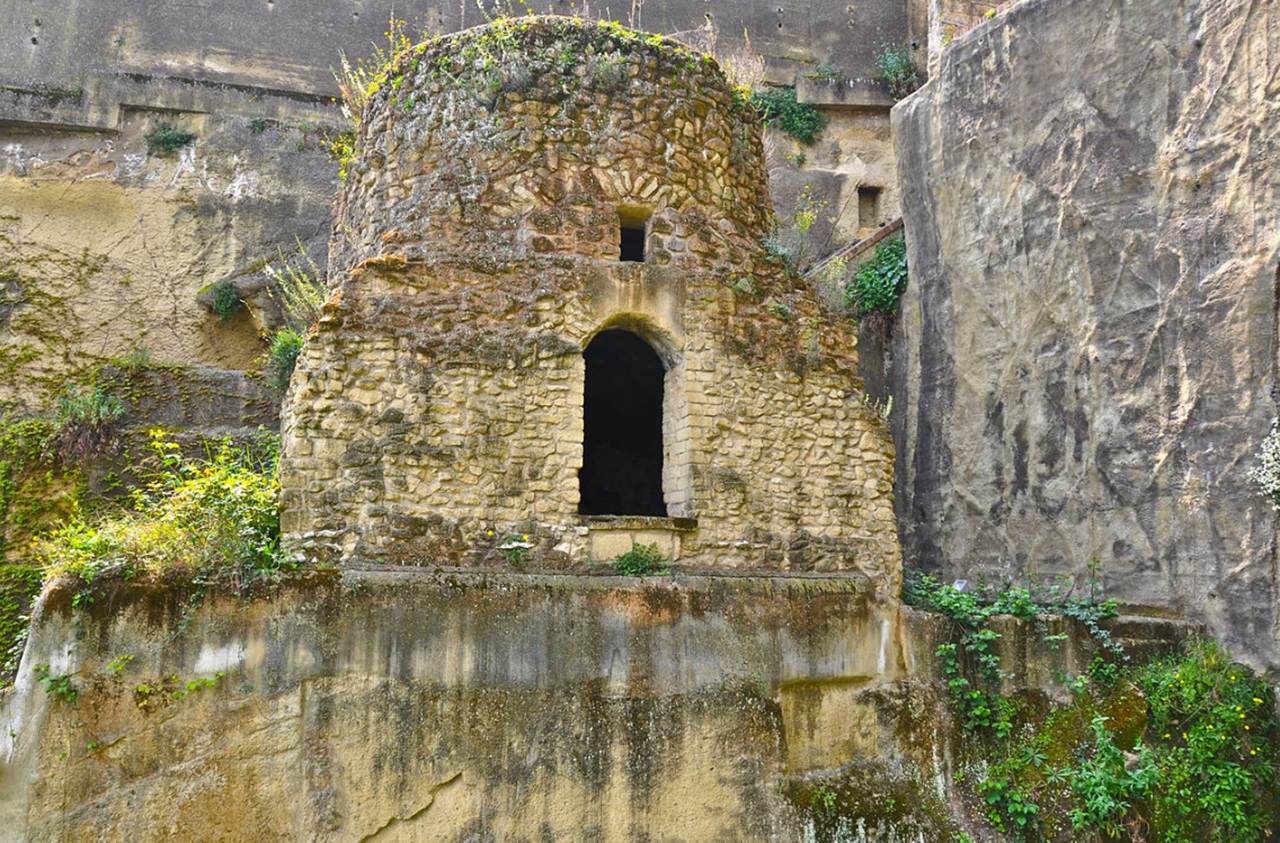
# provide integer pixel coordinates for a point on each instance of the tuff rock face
(1086, 358)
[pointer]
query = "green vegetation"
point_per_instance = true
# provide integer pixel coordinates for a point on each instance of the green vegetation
(19, 587)
(165, 139)
(778, 107)
(1180, 749)
(35, 486)
(213, 520)
(57, 685)
(298, 289)
(788, 239)
(1214, 749)
(300, 294)
(642, 560)
(282, 356)
(226, 300)
(898, 69)
(151, 696)
(880, 282)
(84, 424)
(1103, 783)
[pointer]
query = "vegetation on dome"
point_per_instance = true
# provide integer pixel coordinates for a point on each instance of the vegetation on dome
(508, 53)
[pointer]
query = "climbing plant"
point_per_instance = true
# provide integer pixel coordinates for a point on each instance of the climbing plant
(1179, 749)
(878, 285)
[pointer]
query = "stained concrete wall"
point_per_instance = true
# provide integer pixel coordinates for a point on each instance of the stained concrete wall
(1086, 354)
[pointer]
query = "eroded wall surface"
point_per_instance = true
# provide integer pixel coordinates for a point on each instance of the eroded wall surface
(1086, 354)
(407, 705)
(399, 706)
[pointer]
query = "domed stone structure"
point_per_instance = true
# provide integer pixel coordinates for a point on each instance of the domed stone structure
(554, 332)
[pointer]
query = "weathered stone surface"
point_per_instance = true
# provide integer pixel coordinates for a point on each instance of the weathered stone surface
(416, 705)
(81, 85)
(1086, 358)
(105, 250)
(404, 705)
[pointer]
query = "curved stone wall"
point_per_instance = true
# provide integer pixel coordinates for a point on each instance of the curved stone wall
(436, 416)
(529, 136)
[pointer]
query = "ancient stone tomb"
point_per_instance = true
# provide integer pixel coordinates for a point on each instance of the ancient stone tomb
(554, 331)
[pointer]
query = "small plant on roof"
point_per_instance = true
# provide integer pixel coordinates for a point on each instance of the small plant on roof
(642, 560)
(226, 301)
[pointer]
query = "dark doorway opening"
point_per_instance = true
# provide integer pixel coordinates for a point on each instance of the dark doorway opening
(632, 244)
(622, 428)
(868, 206)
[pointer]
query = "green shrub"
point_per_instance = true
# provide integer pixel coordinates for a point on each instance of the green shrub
(898, 68)
(165, 139)
(642, 560)
(1213, 739)
(778, 107)
(210, 520)
(880, 282)
(84, 425)
(226, 301)
(1105, 785)
(282, 356)
(298, 289)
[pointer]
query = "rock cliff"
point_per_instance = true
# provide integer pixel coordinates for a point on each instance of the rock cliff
(1086, 357)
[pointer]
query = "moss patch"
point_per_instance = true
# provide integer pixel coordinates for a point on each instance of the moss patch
(19, 586)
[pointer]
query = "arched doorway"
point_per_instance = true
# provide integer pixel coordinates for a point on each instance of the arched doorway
(622, 427)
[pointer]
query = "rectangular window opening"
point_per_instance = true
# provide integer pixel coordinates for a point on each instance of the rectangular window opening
(631, 245)
(633, 227)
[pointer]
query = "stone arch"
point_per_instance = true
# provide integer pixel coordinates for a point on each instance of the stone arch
(637, 371)
(622, 441)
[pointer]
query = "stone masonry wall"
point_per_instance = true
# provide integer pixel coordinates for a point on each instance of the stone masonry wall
(438, 408)
(524, 138)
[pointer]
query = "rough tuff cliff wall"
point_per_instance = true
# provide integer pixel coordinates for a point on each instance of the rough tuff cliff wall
(1086, 355)
(401, 706)
(472, 707)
